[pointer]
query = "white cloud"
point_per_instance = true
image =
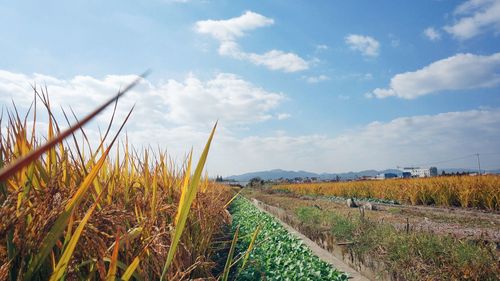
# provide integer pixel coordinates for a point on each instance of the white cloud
(367, 45)
(177, 115)
(321, 47)
(317, 79)
(283, 116)
(226, 97)
(378, 145)
(475, 17)
(432, 34)
(278, 60)
(458, 72)
(227, 32)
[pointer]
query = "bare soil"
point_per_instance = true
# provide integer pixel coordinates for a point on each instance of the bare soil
(461, 223)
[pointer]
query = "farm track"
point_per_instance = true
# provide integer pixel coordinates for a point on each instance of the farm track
(315, 248)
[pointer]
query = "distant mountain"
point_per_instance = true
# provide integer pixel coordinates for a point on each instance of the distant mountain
(272, 174)
(278, 173)
(455, 170)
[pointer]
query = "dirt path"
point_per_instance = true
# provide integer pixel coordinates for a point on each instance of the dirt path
(317, 250)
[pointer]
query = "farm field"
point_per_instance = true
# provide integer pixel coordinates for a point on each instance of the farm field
(480, 192)
(406, 241)
(138, 216)
(135, 216)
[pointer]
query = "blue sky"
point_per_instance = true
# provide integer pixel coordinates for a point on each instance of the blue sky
(324, 86)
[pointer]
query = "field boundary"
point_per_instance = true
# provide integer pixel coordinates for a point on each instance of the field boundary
(323, 254)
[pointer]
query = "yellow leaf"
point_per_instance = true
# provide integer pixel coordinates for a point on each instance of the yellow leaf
(68, 252)
(114, 261)
(185, 204)
(130, 269)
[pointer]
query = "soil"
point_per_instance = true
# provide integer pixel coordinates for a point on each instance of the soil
(461, 223)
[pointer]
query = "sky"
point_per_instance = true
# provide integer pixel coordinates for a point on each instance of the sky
(321, 86)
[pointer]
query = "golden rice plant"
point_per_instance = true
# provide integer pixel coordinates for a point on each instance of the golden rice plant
(481, 192)
(70, 211)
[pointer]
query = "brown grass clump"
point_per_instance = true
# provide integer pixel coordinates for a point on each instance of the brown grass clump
(482, 192)
(67, 215)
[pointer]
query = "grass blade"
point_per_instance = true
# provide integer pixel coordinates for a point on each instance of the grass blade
(185, 205)
(234, 197)
(22, 162)
(62, 264)
(57, 229)
(250, 247)
(229, 261)
(114, 261)
(130, 269)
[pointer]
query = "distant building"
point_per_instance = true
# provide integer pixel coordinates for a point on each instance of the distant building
(416, 172)
(386, 176)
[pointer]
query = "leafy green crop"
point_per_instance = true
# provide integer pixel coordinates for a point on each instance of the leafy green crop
(277, 255)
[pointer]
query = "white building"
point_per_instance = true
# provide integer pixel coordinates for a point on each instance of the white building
(416, 172)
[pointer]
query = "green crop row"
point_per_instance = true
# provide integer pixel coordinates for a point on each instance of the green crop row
(276, 255)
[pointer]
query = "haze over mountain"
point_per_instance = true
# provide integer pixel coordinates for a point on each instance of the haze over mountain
(279, 173)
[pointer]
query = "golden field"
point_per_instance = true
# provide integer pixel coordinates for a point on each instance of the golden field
(77, 213)
(482, 192)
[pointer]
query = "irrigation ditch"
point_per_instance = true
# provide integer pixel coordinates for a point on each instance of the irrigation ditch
(324, 246)
(332, 258)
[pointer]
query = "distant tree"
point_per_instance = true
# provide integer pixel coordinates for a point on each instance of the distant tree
(443, 173)
(255, 182)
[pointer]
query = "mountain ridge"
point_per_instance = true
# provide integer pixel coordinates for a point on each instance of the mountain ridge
(288, 174)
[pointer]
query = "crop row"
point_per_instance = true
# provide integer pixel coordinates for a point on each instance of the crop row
(276, 255)
(481, 192)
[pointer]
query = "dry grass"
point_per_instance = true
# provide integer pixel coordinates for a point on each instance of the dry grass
(97, 217)
(481, 192)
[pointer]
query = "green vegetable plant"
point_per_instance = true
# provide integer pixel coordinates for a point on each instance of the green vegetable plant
(276, 255)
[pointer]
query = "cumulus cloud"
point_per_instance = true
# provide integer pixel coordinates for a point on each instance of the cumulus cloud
(401, 141)
(475, 17)
(161, 118)
(458, 72)
(279, 60)
(432, 34)
(226, 97)
(228, 31)
(367, 45)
